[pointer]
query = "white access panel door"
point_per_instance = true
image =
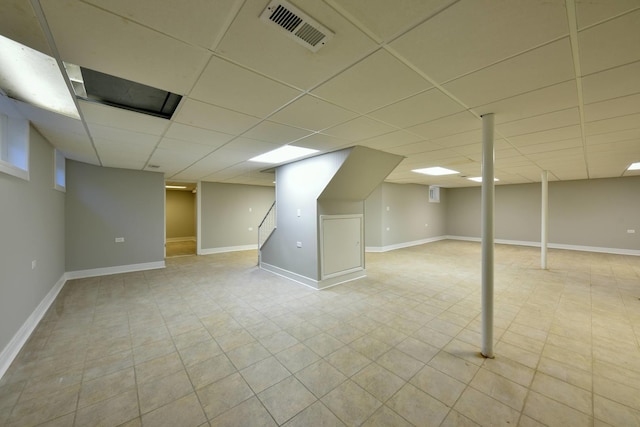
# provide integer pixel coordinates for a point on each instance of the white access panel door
(341, 249)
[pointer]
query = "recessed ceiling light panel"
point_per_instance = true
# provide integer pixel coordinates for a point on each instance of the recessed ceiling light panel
(634, 166)
(435, 171)
(283, 154)
(479, 179)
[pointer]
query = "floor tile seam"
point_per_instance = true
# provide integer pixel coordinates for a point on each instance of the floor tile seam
(294, 415)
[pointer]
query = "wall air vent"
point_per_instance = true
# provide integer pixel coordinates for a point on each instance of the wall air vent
(296, 24)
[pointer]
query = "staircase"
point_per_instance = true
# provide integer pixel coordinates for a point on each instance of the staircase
(265, 229)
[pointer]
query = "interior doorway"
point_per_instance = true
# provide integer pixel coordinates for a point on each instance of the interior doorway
(180, 219)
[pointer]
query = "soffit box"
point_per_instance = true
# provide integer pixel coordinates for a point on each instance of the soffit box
(362, 171)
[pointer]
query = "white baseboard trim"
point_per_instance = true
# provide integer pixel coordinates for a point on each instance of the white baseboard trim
(580, 248)
(180, 239)
(404, 244)
(312, 283)
(12, 349)
(210, 251)
(105, 271)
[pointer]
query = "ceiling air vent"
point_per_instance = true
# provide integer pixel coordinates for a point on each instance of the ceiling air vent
(296, 24)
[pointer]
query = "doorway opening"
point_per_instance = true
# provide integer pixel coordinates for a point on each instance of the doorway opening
(181, 219)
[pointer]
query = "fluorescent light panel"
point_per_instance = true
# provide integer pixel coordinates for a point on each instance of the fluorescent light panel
(283, 154)
(634, 166)
(35, 78)
(479, 179)
(435, 171)
(175, 187)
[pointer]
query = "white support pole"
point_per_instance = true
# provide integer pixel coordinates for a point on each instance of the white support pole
(544, 227)
(488, 191)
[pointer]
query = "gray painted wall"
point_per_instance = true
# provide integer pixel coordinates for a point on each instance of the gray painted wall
(105, 203)
(32, 228)
(593, 213)
(409, 212)
(299, 185)
(229, 210)
(373, 218)
(181, 214)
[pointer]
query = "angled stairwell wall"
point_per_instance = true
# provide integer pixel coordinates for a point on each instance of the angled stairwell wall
(331, 187)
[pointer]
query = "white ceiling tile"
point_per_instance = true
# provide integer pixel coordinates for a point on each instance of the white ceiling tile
(207, 116)
(276, 133)
(553, 98)
(570, 116)
(449, 125)
(126, 137)
(75, 146)
(550, 146)
(122, 162)
(358, 129)
(623, 135)
(628, 149)
(46, 118)
(473, 34)
(188, 148)
(632, 121)
(557, 157)
(253, 43)
(101, 41)
(247, 148)
(376, 81)
(171, 161)
(227, 85)
(610, 44)
(320, 141)
(385, 20)
(570, 175)
(122, 148)
(389, 140)
(118, 118)
(18, 22)
(461, 139)
(610, 108)
(550, 135)
(426, 106)
(613, 83)
(545, 66)
(194, 21)
(312, 113)
(589, 12)
(197, 135)
(416, 147)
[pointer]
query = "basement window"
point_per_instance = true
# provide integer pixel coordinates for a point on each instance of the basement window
(14, 146)
(59, 171)
(94, 86)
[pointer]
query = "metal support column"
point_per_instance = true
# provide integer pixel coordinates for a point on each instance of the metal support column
(488, 191)
(544, 226)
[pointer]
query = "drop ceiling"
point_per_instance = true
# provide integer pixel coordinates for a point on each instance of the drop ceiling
(561, 77)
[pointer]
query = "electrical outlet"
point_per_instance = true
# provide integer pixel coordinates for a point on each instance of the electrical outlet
(298, 244)
(33, 264)
(250, 210)
(631, 231)
(119, 239)
(388, 228)
(250, 228)
(298, 212)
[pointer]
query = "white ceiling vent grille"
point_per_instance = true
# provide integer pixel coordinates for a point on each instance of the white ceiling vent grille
(296, 24)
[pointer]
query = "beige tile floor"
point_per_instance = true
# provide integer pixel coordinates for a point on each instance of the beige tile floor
(214, 341)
